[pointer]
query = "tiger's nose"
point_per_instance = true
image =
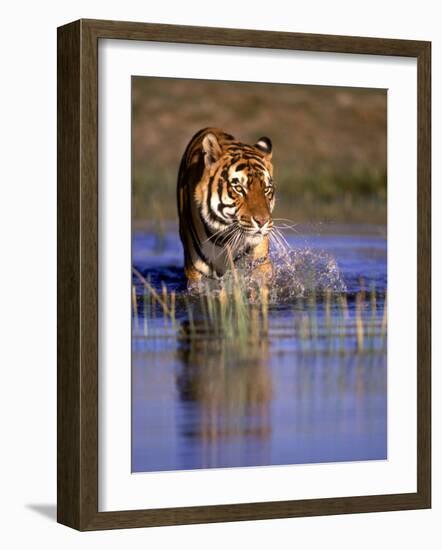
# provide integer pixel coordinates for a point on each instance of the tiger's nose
(261, 220)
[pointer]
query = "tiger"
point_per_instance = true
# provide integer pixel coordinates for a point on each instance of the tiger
(225, 196)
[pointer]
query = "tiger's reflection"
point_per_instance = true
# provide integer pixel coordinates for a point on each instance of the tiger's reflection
(230, 387)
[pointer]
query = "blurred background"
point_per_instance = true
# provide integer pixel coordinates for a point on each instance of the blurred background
(329, 144)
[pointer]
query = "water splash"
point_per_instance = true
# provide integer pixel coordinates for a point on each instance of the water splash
(304, 270)
(296, 273)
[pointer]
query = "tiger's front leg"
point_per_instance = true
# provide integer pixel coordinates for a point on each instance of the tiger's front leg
(194, 278)
(264, 268)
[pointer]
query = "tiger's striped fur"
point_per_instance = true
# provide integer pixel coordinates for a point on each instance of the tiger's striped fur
(225, 196)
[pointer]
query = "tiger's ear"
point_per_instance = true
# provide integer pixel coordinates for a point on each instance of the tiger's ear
(265, 146)
(212, 149)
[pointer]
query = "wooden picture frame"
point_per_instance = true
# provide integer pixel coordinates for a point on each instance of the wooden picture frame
(78, 274)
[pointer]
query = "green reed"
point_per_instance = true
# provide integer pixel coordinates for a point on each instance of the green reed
(135, 307)
(242, 317)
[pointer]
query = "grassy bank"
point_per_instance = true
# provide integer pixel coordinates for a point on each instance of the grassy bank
(328, 199)
(329, 143)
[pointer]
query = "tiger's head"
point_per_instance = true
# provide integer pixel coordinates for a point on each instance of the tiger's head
(239, 191)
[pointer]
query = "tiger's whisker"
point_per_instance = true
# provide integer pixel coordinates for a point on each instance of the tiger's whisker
(218, 234)
(283, 220)
(227, 234)
(290, 227)
(228, 243)
(283, 239)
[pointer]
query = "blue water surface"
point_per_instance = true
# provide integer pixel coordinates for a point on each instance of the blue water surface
(198, 407)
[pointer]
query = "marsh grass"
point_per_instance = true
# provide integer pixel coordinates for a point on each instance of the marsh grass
(241, 319)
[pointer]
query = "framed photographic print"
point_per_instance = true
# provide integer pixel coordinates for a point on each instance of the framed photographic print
(243, 274)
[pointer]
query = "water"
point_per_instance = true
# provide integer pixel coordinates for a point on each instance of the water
(308, 391)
